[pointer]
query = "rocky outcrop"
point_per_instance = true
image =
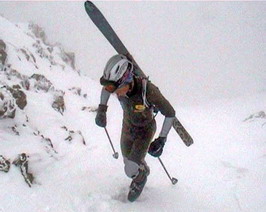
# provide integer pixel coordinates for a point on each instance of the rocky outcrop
(10, 99)
(4, 164)
(261, 115)
(14, 75)
(41, 83)
(38, 32)
(258, 115)
(74, 135)
(28, 68)
(19, 96)
(78, 91)
(2, 45)
(69, 58)
(7, 103)
(22, 163)
(59, 103)
(3, 54)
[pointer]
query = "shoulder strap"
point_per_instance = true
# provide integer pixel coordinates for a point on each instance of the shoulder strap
(144, 81)
(144, 96)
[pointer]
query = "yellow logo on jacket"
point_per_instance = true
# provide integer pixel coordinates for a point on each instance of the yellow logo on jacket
(139, 108)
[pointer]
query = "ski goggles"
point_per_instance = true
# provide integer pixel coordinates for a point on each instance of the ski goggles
(112, 86)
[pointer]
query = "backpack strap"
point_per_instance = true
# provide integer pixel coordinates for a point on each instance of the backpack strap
(144, 92)
(144, 96)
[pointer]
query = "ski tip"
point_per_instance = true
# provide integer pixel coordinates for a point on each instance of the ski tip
(89, 5)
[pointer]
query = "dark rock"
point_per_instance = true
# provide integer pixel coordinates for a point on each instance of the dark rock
(75, 90)
(42, 83)
(21, 98)
(7, 103)
(69, 58)
(2, 45)
(3, 54)
(19, 95)
(59, 103)
(259, 115)
(22, 162)
(3, 57)
(38, 32)
(4, 164)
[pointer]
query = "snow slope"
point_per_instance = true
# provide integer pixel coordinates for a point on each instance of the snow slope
(223, 171)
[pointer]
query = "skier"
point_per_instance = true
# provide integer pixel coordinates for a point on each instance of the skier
(138, 98)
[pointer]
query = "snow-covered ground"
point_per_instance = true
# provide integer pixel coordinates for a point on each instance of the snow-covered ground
(224, 170)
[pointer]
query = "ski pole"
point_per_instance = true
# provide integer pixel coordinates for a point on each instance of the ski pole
(173, 180)
(115, 155)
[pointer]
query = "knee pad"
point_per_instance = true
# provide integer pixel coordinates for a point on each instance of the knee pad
(131, 168)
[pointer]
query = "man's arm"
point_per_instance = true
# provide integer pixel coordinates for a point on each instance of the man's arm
(100, 119)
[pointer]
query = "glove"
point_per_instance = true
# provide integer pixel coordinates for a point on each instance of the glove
(100, 119)
(156, 147)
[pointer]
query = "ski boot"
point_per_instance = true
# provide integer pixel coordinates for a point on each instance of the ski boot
(138, 184)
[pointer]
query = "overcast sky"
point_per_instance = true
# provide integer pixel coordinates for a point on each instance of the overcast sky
(194, 51)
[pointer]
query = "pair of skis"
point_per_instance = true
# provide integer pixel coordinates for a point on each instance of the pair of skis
(102, 24)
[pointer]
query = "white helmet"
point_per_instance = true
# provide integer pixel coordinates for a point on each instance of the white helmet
(116, 68)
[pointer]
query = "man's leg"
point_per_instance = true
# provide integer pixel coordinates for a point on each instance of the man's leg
(131, 167)
(142, 138)
(135, 142)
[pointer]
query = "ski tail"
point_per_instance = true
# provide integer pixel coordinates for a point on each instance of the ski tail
(181, 131)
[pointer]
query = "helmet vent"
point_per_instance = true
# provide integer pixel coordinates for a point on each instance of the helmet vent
(117, 69)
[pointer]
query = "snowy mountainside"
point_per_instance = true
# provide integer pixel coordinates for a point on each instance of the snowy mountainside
(47, 112)
(39, 91)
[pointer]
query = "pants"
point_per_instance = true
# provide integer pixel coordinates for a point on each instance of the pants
(135, 142)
